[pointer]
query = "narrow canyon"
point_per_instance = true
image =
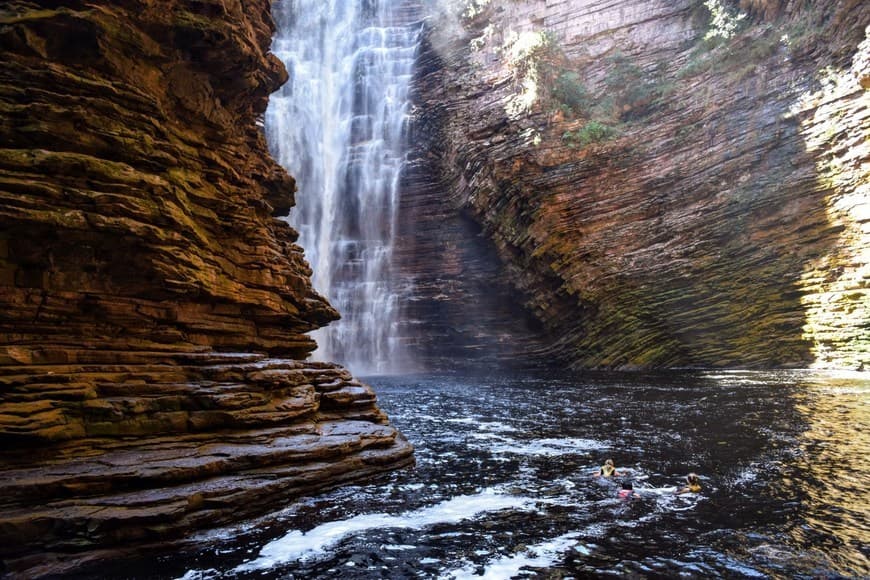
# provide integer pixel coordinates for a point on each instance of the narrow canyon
(544, 184)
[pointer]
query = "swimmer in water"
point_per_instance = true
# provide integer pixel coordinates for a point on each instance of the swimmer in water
(627, 491)
(693, 484)
(607, 470)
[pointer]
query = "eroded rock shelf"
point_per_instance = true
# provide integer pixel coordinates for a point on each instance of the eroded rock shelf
(147, 452)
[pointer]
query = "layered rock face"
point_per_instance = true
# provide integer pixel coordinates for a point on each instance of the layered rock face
(153, 305)
(667, 183)
(460, 309)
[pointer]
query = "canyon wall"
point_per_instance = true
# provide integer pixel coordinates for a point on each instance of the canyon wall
(461, 311)
(153, 304)
(667, 183)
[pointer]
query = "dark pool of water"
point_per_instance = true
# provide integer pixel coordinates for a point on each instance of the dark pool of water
(503, 485)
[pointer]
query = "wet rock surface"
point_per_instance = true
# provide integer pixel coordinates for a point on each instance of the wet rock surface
(154, 306)
(135, 461)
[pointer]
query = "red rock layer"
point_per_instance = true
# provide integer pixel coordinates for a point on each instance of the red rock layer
(138, 200)
(666, 188)
(139, 238)
(165, 444)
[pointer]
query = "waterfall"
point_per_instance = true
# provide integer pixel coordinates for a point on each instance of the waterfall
(338, 126)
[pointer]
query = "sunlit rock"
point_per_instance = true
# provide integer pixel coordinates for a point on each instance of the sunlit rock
(685, 186)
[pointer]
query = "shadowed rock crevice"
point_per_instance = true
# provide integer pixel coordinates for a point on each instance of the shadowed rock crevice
(461, 309)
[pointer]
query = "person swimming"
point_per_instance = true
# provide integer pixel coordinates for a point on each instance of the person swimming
(608, 469)
(627, 491)
(693, 484)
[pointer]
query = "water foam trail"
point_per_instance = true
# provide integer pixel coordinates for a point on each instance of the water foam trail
(539, 556)
(209, 574)
(542, 447)
(298, 545)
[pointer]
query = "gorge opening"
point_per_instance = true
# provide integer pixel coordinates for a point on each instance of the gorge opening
(418, 284)
(675, 188)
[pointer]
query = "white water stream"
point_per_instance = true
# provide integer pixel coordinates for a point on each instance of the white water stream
(338, 126)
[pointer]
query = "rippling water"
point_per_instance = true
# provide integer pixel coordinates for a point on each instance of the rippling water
(504, 484)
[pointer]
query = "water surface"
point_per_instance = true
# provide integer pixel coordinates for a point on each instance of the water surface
(504, 484)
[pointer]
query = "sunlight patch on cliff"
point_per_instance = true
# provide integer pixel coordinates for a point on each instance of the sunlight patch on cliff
(517, 52)
(835, 124)
(480, 42)
(466, 9)
(449, 22)
(520, 53)
(724, 23)
(474, 8)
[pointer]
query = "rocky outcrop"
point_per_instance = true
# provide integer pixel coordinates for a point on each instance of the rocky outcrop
(667, 183)
(171, 443)
(153, 305)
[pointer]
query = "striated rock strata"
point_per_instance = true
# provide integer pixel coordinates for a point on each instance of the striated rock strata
(460, 311)
(153, 305)
(668, 183)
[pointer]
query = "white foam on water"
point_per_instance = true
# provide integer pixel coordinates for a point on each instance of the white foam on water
(412, 486)
(597, 530)
(747, 475)
(463, 420)
(546, 447)
(845, 390)
(735, 379)
(422, 417)
(485, 436)
(539, 556)
(298, 545)
(398, 547)
(498, 427)
(665, 491)
(566, 483)
(200, 574)
(674, 502)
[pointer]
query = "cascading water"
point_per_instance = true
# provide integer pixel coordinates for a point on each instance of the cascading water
(338, 126)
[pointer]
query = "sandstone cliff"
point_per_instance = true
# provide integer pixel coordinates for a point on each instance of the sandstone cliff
(153, 305)
(668, 183)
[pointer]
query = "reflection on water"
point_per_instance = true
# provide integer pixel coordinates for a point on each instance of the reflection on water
(831, 471)
(504, 484)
